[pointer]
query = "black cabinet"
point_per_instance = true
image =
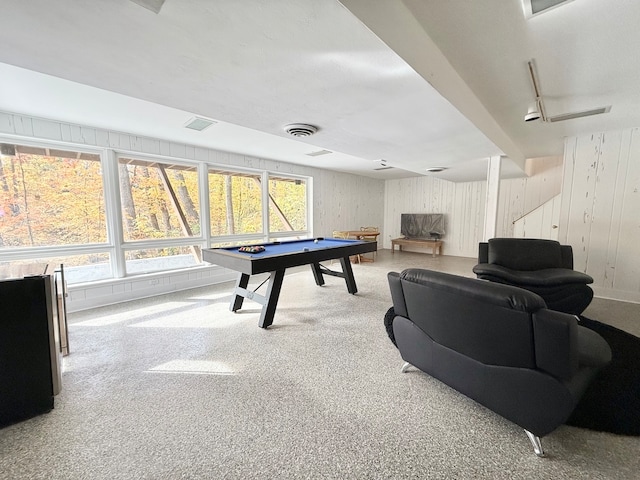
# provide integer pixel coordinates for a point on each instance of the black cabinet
(29, 366)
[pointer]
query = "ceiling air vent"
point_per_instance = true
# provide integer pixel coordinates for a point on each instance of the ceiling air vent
(318, 153)
(198, 123)
(300, 129)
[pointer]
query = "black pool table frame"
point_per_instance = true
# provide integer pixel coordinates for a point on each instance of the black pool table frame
(276, 265)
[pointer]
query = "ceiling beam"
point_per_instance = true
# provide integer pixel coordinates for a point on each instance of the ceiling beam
(412, 43)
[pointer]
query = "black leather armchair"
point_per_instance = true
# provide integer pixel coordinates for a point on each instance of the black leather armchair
(541, 266)
(497, 344)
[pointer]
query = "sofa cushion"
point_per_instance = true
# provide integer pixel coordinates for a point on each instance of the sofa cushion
(525, 254)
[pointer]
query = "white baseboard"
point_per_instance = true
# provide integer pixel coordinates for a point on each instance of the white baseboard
(613, 294)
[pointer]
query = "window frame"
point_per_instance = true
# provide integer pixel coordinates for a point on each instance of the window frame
(116, 247)
(290, 234)
(123, 246)
(249, 237)
(49, 251)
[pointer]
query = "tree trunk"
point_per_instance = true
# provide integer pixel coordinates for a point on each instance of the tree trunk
(3, 179)
(26, 202)
(14, 205)
(230, 219)
(185, 198)
(126, 196)
(166, 217)
(153, 218)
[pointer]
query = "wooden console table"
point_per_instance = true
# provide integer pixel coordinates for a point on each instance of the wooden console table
(436, 245)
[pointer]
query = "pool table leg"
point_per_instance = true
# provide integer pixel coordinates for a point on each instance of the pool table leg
(236, 303)
(348, 275)
(317, 274)
(273, 293)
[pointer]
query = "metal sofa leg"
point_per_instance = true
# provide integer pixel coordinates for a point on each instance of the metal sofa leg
(535, 441)
(405, 367)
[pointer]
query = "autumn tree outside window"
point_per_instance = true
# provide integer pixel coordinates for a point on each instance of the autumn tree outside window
(52, 210)
(159, 200)
(287, 204)
(235, 202)
(50, 197)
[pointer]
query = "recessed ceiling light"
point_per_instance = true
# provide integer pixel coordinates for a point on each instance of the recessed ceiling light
(436, 169)
(382, 165)
(199, 123)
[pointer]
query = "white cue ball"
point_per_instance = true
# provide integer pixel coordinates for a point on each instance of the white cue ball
(315, 241)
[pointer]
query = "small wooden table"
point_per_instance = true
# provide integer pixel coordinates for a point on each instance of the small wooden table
(361, 234)
(435, 245)
(366, 235)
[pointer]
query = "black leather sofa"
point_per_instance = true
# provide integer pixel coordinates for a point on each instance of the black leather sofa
(499, 345)
(544, 267)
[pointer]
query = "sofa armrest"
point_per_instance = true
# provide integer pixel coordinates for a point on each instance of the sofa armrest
(548, 277)
(397, 295)
(483, 252)
(557, 343)
(594, 351)
(566, 252)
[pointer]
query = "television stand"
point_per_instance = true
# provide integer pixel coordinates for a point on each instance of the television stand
(436, 245)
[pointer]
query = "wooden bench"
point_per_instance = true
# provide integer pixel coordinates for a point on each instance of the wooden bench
(436, 245)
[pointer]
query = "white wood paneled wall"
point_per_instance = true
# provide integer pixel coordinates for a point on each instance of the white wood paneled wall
(520, 196)
(541, 222)
(340, 200)
(600, 210)
(462, 203)
(346, 202)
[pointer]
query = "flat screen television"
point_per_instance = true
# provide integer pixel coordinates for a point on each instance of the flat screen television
(422, 225)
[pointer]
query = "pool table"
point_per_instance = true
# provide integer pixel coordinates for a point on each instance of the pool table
(279, 256)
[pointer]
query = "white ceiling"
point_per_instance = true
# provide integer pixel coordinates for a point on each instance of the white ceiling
(419, 83)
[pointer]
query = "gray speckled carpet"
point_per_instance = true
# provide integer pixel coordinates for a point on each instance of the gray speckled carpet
(178, 387)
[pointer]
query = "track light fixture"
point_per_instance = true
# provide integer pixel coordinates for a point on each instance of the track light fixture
(536, 109)
(533, 113)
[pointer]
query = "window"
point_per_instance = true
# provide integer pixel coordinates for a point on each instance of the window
(235, 203)
(50, 197)
(287, 204)
(159, 200)
(54, 209)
